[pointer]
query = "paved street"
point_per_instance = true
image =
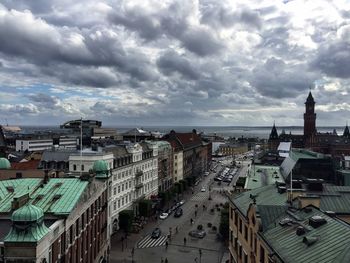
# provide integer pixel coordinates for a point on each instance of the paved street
(153, 250)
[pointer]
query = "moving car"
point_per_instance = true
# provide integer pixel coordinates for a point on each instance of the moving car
(163, 215)
(203, 189)
(156, 233)
(197, 233)
(182, 202)
(178, 212)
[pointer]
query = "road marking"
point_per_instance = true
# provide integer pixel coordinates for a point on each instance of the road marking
(151, 242)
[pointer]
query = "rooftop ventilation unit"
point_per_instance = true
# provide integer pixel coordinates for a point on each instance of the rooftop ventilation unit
(281, 189)
(317, 221)
(286, 221)
(310, 240)
(307, 209)
(330, 213)
(300, 231)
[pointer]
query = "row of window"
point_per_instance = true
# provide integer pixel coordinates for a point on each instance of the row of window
(122, 201)
(123, 187)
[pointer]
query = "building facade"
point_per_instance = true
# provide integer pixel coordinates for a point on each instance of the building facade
(67, 225)
(31, 145)
(327, 143)
(264, 227)
(130, 171)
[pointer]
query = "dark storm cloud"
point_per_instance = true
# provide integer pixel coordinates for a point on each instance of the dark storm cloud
(171, 62)
(333, 60)
(201, 42)
(43, 100)
(43, 44)
(217, 15)
(276, 79)
(146, 26)
(168, 24)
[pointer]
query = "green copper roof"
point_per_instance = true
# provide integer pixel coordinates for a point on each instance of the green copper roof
(332, 243)
(266, 195)
(58, 196)
(27, 213)
(262, 175)
(100, 168)
(27, 225)
(4, 163)
(32, 233)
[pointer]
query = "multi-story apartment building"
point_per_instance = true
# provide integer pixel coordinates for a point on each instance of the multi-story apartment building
(265, 227)
(165, 164)
(31, 145)
(131, 172)
(54, 220)
(189, 146)
(232, 148)
(178, 165)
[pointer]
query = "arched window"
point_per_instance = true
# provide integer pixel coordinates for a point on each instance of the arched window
(74, 167)
(82, 167)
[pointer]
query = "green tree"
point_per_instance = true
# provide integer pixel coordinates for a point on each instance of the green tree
(145, 207)
(125, 220)
(184, 184)
(224, 222)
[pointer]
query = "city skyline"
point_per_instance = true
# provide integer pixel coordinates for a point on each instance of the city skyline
(190, 63)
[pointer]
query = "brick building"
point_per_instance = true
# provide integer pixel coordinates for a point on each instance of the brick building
(54, 220)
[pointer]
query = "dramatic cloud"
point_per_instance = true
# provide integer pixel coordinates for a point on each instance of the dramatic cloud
(182, 62)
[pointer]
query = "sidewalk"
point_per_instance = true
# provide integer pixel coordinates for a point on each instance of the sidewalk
(122, 254)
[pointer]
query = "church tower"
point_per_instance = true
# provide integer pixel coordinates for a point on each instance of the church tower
(273, 139)
(309, 116)
(346, 133)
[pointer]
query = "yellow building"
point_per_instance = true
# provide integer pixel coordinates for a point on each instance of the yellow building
(232, 149)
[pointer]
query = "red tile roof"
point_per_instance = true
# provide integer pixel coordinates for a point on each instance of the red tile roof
(30, 165)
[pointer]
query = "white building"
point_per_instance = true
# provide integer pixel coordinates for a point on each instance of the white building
(68, 142)
(32, 145)
(132, 176)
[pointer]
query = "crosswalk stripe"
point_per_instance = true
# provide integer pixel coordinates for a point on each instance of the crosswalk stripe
(150, 242)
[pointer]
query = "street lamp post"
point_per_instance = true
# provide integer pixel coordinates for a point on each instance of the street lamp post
(132, 255)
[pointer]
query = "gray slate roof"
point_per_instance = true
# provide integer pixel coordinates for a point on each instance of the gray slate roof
(57, 156)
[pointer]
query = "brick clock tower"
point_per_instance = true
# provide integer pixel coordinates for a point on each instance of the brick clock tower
(309, 117)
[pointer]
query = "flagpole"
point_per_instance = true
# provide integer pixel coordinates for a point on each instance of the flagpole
(81, 144)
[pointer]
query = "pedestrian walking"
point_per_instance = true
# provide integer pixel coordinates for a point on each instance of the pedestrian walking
(176, 230)
(166, 260)
(185, 240)
(191, 221)
(161, 260)
(166, 245)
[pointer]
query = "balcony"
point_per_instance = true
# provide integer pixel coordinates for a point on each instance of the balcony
(139, 173)
(138, 199)
(138, 186)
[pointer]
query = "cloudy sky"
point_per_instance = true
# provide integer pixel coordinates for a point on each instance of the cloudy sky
(180, 62)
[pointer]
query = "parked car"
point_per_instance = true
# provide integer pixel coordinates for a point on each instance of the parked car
(163, 215)
(218, 179)
(197, 233)
(182, 202)
(156, 233)
(178, 212)
(202, 189)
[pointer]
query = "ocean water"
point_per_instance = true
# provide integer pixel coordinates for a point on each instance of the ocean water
(224, 131)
